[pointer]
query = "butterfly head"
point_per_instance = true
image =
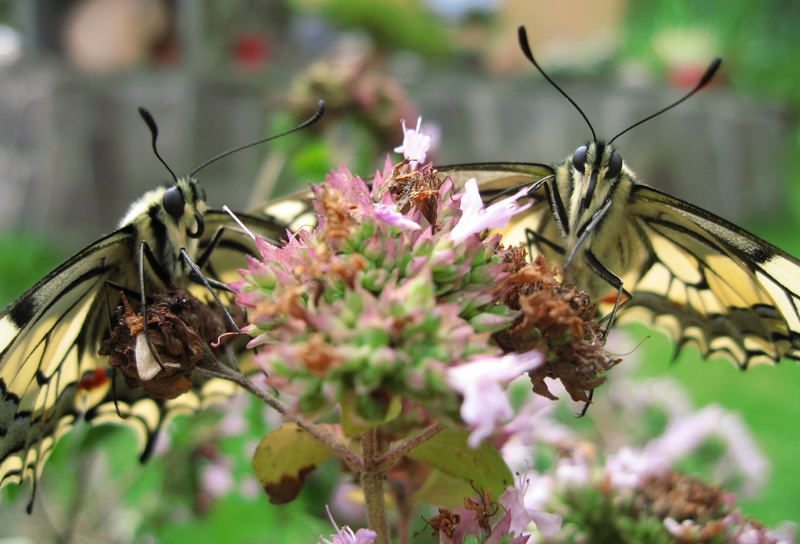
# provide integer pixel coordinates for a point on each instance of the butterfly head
(176, 210)
(593, 166)
(597, 162)
(184, 204)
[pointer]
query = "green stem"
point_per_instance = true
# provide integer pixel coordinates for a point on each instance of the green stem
(372, 484)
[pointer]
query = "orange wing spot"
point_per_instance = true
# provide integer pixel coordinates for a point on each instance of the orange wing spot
(612, 298)
(94, 379)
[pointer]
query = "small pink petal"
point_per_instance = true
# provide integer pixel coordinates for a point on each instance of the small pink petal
(476, 219)
(513, 500)
(345, 535)
(390, 215)
(415, 144)
(480, 382)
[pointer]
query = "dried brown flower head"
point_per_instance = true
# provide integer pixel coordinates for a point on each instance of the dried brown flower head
(557, 319)
(416, 189)
(680, 497)
(181, 329)
(445, 523)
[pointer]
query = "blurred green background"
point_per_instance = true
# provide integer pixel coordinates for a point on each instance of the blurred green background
(73, 153)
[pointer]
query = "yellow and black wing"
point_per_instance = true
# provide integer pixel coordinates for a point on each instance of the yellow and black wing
(698, 277)
(48, 341)
(50, 372)
(146, 415)
(711, 283)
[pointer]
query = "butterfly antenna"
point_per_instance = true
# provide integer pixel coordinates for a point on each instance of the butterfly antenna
(712, 69)
(310, 121)
(526, 49)
(151, 124)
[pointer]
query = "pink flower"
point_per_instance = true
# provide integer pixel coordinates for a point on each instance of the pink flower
(345, 535)
(415, 144)
(389, 214)
(686, 530)
(686, 434)
(217, 479)
(513, 501)
(479, 382)
(475, 218)
(627, 467)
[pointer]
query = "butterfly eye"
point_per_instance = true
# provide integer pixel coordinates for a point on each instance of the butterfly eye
(579, 158)
(173, 202)
(614, 165)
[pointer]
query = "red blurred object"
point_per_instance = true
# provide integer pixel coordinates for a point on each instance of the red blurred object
(251, 51)
(686, 76)
(93, 379)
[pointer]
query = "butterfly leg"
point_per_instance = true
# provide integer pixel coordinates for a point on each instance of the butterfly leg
(145, 252)
(212, 245)
(586, 404)
(534, 239)
(204, 258)
(598, 268)
(207, 283)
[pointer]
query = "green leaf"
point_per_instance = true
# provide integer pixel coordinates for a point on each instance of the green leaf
(444, 490)
(448, 451)
(283, 460)
(354, 424)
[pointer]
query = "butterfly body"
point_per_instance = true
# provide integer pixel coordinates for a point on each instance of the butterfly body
(647, 255)
(582, 199)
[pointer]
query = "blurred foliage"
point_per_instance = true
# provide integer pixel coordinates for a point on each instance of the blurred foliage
(23, 260)
(393, 24)
(758, 40)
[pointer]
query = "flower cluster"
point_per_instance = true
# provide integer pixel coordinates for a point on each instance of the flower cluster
(380, 300)
(638, 494)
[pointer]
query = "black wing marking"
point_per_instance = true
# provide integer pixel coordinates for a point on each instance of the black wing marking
(498, 177)
(712, 283)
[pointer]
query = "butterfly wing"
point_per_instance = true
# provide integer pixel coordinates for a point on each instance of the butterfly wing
(711, 283)
(148, 416)
(50, 372)
(48, 341)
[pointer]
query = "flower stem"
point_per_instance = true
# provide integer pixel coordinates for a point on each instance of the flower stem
(323, 437)
(372, 484)
(388, 459)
